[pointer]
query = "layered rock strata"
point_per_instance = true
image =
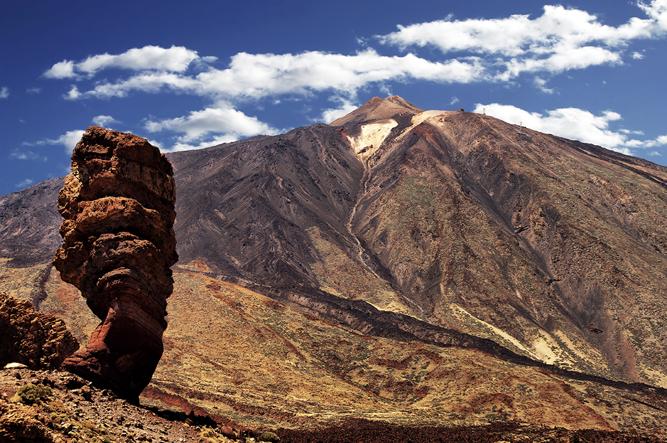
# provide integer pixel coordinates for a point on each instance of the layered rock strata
(118, 247)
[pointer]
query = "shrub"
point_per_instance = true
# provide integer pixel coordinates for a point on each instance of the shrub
(30, 393)
(269, 437)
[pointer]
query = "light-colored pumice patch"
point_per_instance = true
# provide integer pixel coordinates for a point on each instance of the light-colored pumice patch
(371, 136)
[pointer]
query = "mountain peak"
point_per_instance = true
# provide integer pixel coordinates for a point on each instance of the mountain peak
(398, 100)
(378, 108)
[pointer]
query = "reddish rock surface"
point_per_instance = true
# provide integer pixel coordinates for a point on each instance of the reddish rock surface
(118, 247)
(37, 340)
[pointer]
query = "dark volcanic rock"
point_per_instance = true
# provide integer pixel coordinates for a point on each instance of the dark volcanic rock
(118, 247)
(259, 197)
(29, 337)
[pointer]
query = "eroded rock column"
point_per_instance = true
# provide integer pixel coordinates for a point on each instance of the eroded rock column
(118, 247)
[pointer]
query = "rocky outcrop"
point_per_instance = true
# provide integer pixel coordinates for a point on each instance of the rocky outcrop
(118, 247)
(29, 337)
(50, 406)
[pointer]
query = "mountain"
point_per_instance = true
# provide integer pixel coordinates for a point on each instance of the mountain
(399, 265)
(552, 248)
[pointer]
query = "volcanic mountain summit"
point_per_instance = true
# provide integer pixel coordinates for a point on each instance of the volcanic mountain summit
(447, 228)
(552, 248)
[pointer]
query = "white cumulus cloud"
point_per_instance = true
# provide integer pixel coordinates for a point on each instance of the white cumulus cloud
(573, 123)
(560, 39)
(73, 93)
(62, 69)
(657, 10)
(206, 143)
(473, 50)
(541, 84)
(210, 126)
(68, 140)
(154, 58)
(4, 92)
(104, 120)
(261, 75)
(345, 106)
(656, 142)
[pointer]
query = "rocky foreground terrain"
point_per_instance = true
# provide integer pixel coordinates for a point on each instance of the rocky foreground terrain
(50, 406)
(400, 271)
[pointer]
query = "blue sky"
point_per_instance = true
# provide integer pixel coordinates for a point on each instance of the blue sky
(189, 75)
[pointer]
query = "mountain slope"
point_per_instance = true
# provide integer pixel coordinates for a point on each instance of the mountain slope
(29, 223)
(516, 235)
(455, 218)
(266, 362)
(442, 228)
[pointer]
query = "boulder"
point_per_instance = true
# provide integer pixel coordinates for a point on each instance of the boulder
(30, 338)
